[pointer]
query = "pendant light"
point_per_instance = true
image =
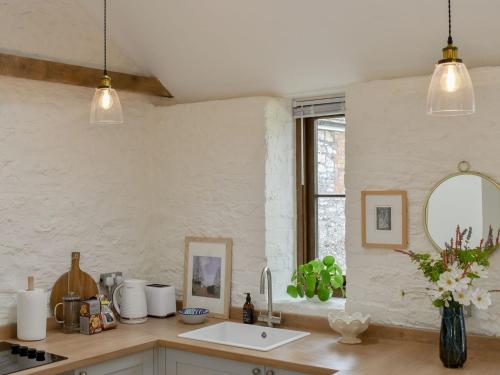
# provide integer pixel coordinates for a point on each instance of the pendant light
(106, 107)
(450, 92)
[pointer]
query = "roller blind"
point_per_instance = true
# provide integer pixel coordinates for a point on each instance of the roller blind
(315, 107)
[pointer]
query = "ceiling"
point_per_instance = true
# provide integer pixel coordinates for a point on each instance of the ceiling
(58, 30)
(214, 49)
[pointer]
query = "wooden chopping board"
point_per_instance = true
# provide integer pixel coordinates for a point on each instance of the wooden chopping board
(73, 281)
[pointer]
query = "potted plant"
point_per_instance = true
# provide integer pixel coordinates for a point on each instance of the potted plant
(452, 273)
(317, 279)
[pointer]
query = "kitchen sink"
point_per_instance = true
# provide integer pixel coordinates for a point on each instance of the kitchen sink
(245, 335)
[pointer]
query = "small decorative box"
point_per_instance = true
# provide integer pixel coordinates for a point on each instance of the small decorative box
(90, 325)
(90, 307)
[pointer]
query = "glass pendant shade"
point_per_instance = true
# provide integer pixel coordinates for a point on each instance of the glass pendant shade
(451, 92)
(106, 107)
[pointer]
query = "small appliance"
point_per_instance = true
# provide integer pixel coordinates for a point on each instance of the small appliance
(14, 358)
(129, 300)
(161, 300)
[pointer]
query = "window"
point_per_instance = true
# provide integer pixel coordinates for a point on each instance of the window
(320, 188)
(330, 190)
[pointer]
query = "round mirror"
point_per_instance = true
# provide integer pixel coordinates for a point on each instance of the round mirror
(465, 199)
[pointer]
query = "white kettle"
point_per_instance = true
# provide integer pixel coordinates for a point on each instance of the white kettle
(129, 300)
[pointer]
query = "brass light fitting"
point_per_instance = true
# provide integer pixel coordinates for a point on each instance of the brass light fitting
(450, 91)
(450, 54)
(105, 82)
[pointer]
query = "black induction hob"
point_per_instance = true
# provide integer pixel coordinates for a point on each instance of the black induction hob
(14, 358)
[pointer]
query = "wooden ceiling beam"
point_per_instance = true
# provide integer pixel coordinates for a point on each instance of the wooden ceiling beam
(51, 71)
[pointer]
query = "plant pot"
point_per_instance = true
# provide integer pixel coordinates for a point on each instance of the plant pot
(453, 342)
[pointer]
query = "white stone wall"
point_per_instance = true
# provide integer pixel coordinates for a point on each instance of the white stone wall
(67, 185)
(209, 181)
(127, 195)
(280, 194)
(393, 144)
(211, 160)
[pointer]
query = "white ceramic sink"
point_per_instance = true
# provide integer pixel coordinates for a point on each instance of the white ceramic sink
(245, 335)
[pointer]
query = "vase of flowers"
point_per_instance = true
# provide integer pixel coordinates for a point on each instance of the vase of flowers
(452, 339)
(452, 274)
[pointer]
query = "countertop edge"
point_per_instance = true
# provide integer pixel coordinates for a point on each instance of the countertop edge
(226, 354)
(62, 366)
(195, 347)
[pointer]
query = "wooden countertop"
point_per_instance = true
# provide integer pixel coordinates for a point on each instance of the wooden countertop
(318, 353)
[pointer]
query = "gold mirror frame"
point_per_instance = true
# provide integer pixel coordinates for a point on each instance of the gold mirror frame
(464, 169)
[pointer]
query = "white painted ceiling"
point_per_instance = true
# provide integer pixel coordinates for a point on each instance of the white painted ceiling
(58, 30)
(213, 49)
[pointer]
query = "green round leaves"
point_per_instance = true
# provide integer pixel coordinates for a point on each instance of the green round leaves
(316, 278)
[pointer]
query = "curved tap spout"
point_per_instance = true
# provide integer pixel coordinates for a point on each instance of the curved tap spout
(265, 272)
(268, 318)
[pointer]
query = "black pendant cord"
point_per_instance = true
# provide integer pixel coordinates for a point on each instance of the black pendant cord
(450, 39)
(105, 40)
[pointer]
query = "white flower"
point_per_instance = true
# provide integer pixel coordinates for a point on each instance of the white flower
(455, 270)
(481, 298)
(436, 293)
(447, 281)
(463, 297)
(462, 284)
(456, 273)
(478, 270)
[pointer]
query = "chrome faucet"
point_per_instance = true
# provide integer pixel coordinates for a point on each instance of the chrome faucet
(268, 317)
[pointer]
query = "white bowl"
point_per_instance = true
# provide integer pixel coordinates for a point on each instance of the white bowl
(350, 326)
(193, 315)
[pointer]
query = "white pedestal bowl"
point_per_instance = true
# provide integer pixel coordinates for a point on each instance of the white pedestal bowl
(350, 326)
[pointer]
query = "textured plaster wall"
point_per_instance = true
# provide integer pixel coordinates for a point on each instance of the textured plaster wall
(67, 185)
(127, 195)
(211, 162)
(280, 194)
(393, 144)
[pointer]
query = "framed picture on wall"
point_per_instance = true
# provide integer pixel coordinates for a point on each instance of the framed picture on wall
(384, 219)
(207, 274)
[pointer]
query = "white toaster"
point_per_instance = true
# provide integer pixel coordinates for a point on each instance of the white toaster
(160, 300)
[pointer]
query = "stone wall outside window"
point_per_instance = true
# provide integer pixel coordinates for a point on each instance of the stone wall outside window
(330, 175)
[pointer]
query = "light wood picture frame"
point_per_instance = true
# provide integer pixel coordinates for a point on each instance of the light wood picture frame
(207, 274)
(384, 219)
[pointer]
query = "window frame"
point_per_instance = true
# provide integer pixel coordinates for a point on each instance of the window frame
(306, 184)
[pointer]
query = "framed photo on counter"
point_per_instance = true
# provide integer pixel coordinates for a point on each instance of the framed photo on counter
(207, 274)
(384, 219)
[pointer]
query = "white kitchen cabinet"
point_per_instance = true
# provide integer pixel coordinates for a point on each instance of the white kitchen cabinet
(161, 361)
(136, 364)
(185, 363)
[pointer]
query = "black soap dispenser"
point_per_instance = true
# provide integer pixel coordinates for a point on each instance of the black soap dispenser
(248, 310)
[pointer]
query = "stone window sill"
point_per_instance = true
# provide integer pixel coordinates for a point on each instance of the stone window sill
(305, 307)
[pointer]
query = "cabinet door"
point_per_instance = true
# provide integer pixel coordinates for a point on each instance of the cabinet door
(277, 371)
(135, 364)
(184, 363)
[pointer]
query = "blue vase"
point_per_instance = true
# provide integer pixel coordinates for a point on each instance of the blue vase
(453, 343)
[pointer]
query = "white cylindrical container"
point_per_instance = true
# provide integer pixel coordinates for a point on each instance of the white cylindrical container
(31, 315)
